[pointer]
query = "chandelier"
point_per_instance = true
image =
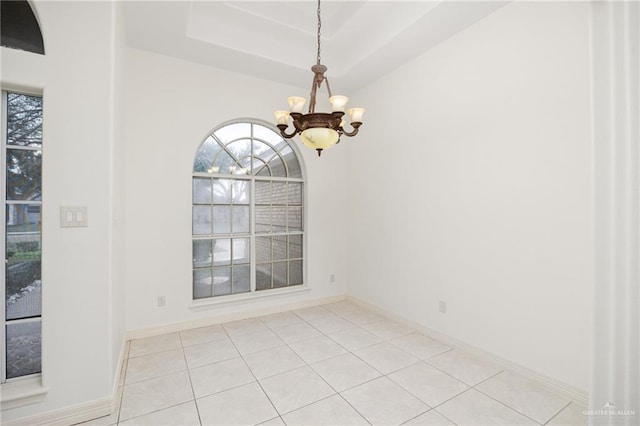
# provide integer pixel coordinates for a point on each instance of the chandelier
(318, 130)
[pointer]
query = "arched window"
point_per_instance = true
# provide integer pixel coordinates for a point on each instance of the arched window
(248, 198)
(19, 27)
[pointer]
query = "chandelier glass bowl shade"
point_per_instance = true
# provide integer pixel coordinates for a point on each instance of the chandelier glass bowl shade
(318, 130)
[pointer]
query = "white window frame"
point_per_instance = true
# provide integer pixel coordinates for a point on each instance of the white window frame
(203, 303)
(16, 382)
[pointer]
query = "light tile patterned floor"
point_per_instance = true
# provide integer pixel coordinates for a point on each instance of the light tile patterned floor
(336, 364)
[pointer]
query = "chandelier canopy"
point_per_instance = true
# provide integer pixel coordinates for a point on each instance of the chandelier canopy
(318, 130)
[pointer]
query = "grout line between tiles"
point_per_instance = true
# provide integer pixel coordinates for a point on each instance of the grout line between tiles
(414, 417)
(508, 406)
(453, 377)
(322, 378)
(251, 371)
(558, 413)
(193, 391)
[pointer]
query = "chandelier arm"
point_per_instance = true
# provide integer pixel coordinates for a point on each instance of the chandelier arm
(350, 134)
(356, 127)
(283, 131)
(312, 96)
(326, 80)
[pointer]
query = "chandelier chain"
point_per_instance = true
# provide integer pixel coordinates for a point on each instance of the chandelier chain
(319, 28)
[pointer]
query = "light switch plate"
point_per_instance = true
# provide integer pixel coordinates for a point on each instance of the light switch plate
(73, 217)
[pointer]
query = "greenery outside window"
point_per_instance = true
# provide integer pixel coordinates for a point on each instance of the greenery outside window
(21, 188)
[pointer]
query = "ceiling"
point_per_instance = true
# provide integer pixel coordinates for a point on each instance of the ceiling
(276, 40)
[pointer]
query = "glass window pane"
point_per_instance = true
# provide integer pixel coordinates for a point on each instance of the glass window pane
(201, 191)
(295, 272)
(295, 246)
(221, 219)
(263, 276)
(295, 218)
(262, 154)
(24, 120)
(292, 162)
(295, 193)
(279, 274)
(24, 169)
(241, 219)
(260, 168)
(263, 192)
(241, 191)
(205, 155)
(232, 132)
(26, 302)
(202, 253)
(279, 219)
(241, 250)
(202, 283)
(263, 219)
(221, 281)
(263, 249)
(222, 191)
(279, 195)
(267, 135)
(241, 279)
(241, 150)
(222, 251)
(201, 220)
(277, 166)
(223, 163)
(280, 247)
(23, 348)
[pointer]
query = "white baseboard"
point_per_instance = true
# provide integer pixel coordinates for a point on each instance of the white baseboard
(68, 415)
(217, 319)
(554, 386)
(118, 380)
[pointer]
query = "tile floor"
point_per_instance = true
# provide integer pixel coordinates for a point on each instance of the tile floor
(336, 364)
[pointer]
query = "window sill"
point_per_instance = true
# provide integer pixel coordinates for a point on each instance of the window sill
(21, 392)
(198, 305)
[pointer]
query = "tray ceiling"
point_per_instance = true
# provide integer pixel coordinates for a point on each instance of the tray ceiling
(276, 40)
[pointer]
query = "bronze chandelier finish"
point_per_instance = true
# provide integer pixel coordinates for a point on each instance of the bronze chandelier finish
(313, 119)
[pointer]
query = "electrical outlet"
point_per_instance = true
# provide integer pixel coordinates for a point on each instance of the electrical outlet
(443, 306)
(162, 301)
(332, 278)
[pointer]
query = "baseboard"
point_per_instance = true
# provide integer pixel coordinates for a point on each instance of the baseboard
(217, 319)
(118, 380)
(85, 411)
(68, 415)
(554, 386)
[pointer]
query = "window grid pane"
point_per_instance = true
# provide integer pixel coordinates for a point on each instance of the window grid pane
(227, 211)
(21, 151)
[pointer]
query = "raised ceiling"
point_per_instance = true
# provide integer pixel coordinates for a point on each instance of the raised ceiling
(276, 40)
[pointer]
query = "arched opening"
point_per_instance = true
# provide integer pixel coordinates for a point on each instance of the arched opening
(19, 27)
(248, 204)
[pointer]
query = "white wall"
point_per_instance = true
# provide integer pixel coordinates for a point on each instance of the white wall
(471, 184)
(76, 77)
(171, 106)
